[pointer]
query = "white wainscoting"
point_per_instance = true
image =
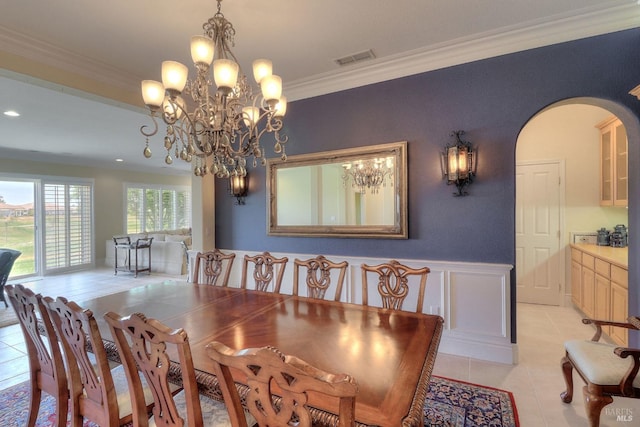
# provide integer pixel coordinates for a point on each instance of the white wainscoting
(473, 298)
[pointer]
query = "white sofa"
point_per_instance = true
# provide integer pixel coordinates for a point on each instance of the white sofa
(168, 251)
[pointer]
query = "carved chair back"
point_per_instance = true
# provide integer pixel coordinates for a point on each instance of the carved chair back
(142, 345)
(267, 270)
(93, 393)
(279, 386)
(46, 365)
(393, 283)
(318, 277)
(214, 265)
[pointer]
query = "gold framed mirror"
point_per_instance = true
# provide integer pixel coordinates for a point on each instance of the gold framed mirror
(355, 192)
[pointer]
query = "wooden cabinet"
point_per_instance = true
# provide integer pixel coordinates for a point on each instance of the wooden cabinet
(588, 285)
(602, 292)
(599, 288)
(613, 163)
(576, 274)
(619, 302)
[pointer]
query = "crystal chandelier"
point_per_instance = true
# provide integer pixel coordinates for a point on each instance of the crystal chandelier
(219, 127)
(368, 174)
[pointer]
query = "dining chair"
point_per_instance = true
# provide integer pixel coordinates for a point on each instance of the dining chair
(142, 345)
(318, 277)
(46, 365)
(393, 283)
(214, 264)
(608, 370)
(279, 386)
(98, 393)
(267, 269)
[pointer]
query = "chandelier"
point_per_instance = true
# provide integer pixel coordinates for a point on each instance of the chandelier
(368, 174)
(215, 128)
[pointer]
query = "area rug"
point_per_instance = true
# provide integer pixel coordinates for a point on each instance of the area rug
(454, 403)
(449, 403)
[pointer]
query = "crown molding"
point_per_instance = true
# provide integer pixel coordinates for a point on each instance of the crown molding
(45, 53)
(594, 21)
(537, 34)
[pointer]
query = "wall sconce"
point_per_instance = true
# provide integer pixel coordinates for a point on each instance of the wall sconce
(238, 187)
(458, 162)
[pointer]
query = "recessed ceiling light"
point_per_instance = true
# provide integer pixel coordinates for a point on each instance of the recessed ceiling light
(11, 113)
(119, 160)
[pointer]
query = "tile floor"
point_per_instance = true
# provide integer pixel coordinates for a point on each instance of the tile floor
(536, 381)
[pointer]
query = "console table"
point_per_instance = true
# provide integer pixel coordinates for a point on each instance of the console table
(124, 243)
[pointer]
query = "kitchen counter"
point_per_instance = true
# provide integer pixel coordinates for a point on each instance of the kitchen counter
(617, 256)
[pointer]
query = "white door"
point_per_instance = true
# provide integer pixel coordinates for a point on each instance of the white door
(538, 256)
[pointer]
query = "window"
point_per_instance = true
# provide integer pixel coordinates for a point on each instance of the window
(157, 208)
(68, 228)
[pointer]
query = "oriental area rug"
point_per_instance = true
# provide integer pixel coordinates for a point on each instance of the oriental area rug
(449, 403)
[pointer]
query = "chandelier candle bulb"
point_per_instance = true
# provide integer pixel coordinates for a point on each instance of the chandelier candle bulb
(251, 115)
(173, 108)
(261, 69)
(174, 76)
(225, 74)
(202, 49)
(281, 107)
(152, 93)
(271, 88)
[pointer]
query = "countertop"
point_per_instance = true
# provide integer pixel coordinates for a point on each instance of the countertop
(617, 256)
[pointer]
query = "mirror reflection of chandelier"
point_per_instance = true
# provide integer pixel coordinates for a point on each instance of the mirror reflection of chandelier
(219, 127)
(368, 174)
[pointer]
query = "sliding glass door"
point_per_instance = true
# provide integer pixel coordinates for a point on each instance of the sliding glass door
(49, 220)
(18, 224)
(68, 228)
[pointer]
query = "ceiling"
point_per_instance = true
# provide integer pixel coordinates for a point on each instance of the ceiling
(121, 42)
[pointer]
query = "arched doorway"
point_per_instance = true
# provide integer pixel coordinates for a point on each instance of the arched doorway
(557, 197)
(564, 133)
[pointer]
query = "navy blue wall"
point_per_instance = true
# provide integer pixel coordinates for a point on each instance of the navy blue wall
(491, 100)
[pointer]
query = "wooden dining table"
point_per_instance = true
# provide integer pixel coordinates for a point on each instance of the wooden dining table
(390, 353)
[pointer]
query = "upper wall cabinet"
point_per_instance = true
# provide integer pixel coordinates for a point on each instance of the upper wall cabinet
(613, 163)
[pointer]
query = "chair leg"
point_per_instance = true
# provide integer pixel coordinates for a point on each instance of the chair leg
(594, 401)
(34, 404)
(567, 371)
(62, 410)
(77, 419)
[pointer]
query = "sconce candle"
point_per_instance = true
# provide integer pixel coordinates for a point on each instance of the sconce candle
(238, 188)
(458, 163)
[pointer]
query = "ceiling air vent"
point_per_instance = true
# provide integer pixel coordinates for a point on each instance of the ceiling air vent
(356, 57)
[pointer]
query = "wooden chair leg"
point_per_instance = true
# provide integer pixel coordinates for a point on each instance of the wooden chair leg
(567, 371)
(62, 410)
(594, 401)
(77, 419)
(34, 404)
